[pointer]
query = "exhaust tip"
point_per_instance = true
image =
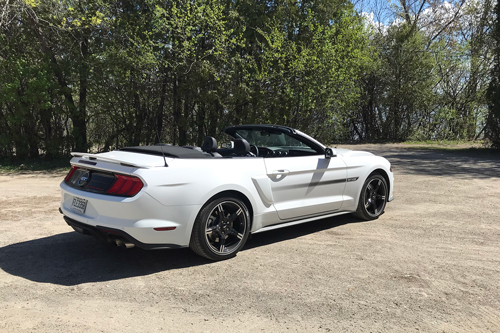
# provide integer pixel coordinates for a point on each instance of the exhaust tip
(124, 244)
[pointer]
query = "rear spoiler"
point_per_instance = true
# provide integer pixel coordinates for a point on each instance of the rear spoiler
(98, 157)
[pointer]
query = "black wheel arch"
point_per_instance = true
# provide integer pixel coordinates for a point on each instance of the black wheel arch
(383, 174)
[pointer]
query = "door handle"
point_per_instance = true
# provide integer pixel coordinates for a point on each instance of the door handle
(280, 172)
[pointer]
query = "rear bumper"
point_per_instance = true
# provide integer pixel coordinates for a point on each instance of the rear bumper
(139, 217)
(109, 234)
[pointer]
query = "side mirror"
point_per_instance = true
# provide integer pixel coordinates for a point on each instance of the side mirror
(329, 153)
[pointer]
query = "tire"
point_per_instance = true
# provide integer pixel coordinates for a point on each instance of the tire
(217, 238)
(373, 198)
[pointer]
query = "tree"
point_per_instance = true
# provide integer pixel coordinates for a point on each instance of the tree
(493, 94)
(447, 43)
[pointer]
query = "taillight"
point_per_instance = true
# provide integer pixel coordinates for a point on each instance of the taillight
(126, 186)
(70, 173)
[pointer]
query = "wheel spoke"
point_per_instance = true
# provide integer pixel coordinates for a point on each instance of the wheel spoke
(239, 235)
(211, 230)
(222, 242)
(367, 204)
(381, 197)
(233, 216)
(374, 205)
(221, 209)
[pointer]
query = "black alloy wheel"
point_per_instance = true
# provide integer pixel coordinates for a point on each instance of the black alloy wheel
(221, 229)
(373, 198)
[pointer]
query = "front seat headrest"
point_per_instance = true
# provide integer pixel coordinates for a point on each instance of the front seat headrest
(241, 147)
(209, 145)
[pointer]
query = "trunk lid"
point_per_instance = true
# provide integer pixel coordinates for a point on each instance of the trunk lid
(111, 173)
(125, 158)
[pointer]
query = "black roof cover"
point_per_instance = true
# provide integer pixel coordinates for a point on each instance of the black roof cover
(168, 151)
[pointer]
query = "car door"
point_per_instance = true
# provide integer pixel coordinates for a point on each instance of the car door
(306, 185)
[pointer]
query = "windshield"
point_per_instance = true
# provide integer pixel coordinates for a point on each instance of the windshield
(274, 140)
(269, 139)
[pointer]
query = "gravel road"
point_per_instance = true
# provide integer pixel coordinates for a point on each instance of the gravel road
(431, 263)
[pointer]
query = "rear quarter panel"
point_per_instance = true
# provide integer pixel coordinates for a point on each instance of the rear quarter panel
(195, 181)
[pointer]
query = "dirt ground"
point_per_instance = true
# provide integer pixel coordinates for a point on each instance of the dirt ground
(431, 263)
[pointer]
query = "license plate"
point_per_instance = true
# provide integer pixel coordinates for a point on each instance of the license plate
(79, 205)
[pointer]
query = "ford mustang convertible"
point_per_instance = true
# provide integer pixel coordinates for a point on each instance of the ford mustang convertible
(211, 198)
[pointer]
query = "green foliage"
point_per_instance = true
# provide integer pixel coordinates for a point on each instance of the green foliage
(397, 86)
(79, 75)
(427, 80)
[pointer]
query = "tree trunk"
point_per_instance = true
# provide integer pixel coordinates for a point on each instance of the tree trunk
(183, 124)
(177, 113)
(139, 117)
(79, 124)
(200, 122)
(160, 112)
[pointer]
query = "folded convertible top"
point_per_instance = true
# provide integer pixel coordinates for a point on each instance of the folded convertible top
(167, 150)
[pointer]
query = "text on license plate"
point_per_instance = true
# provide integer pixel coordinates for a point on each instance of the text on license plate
(79, 205)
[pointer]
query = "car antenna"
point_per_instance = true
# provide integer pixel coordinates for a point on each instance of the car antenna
(161, 148)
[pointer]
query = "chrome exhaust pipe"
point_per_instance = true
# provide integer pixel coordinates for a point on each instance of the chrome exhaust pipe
(126, 245)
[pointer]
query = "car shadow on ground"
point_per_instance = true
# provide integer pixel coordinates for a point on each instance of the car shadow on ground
(296, 231)
(463, 163)
(450, 165)
(70, 258)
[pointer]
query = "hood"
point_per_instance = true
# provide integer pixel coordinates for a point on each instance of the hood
(351, 153)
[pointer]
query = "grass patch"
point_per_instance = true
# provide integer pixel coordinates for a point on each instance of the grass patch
(467, 148)
(456, 149)
(451, 143)
(40, 164)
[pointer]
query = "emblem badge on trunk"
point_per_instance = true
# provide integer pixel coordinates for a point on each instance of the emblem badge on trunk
(84, 179)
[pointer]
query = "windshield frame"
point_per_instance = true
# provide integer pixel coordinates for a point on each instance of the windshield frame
(235, 132)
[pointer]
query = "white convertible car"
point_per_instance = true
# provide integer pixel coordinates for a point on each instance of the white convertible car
(211, 199)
